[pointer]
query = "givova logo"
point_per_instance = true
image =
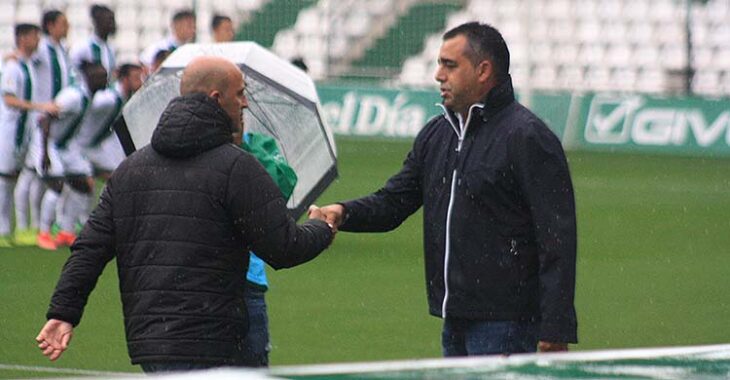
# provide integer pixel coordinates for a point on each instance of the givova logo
(635, 120)
(610, 117)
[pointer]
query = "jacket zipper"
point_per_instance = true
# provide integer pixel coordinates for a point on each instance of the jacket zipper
(454, 177)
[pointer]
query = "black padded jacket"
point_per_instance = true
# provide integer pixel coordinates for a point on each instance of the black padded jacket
(180, 216)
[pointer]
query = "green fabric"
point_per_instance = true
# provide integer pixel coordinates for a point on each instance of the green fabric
(96, 52)
(56, 71)
(106, 130)
(27, 96)
(71, 130)
(266, 151)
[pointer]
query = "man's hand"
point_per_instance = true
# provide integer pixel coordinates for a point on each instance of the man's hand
(543, 346)
(54, 338)
(50, 108)
(315, 212)
(332, 214)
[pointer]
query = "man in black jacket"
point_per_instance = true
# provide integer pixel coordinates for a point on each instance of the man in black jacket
(180, 216)
(499, 212)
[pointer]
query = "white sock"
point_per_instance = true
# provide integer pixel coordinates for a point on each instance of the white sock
(35, 197)
(78, 206)
(64, 216)
(22, 190)
(48, 210)
(6, 205)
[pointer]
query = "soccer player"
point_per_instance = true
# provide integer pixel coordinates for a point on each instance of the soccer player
(54, 71)
(16, 116)
(222, 28)
(68, 174)
(96, 49)
(95, 136)
(182, 31)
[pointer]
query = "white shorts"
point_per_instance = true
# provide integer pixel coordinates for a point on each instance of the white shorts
(68, 161)
(33, 157)
(107, 155)
(12, 156)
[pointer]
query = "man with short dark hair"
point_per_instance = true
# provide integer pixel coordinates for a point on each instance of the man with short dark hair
(64, 168)
(182, 31)
(180, 216)
(96, 48)
(96, 138)
(222, 28)
(54, 72)
(17, 113)
(499, 213)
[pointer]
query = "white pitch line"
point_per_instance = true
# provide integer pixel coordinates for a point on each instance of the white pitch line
(71, 371)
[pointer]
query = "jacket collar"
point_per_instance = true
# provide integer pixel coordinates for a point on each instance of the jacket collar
(191, 124)
(497, 99)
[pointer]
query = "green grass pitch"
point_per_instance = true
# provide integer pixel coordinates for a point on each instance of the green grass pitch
(653, 270)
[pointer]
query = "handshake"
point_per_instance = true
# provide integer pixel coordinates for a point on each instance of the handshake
(332, 214)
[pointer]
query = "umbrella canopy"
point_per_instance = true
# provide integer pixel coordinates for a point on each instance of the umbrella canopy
(283, 104)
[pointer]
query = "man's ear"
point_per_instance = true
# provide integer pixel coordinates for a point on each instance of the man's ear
(215, 94)
(484, 71)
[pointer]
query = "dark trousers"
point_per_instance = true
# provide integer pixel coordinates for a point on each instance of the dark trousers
(463, 337)
(174, 366)
(256, 345)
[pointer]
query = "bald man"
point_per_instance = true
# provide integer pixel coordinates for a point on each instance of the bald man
(176, 215)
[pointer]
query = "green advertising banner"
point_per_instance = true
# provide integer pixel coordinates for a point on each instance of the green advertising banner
(385, 112)
(638, 123)
(603, 122)
(371, 111)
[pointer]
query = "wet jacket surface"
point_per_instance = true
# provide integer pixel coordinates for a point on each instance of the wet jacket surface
(499, 216)
(180, 216)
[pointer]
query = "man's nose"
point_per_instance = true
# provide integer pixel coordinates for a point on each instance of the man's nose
(244, 102)
(439, 75)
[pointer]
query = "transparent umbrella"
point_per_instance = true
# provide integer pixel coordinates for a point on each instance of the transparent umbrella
(283, 104)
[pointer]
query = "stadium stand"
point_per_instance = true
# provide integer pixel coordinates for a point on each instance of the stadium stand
(575, 45)
(633, 45)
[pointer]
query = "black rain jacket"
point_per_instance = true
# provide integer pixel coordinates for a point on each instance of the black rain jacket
(499, 216)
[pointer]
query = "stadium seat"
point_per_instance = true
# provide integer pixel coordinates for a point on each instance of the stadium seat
(640, 32)
(591, 55)
(707, 82)
(414, 70)
(589, 31)
(28, 12)
(357, 24)
(7, 14)
(544, 77)
(565, 53)
(309, 22)
(619, 55)
(541, 52)
(127, 41)
(624, 79)
(646, 56)
(286, 44)
(702, 57)
(614, 32)
(126, 17)
(651, 80)
(571, 78)
(562, 31)
(520, 76)
(249, 5)
(721, 60)
(673, 57)
(599, 78)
